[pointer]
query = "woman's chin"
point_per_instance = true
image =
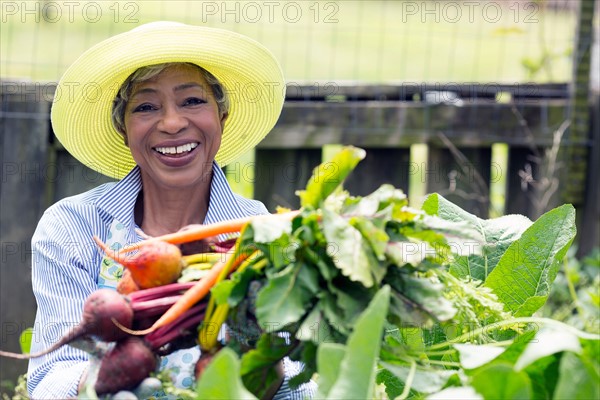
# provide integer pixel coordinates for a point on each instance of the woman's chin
(180, 178)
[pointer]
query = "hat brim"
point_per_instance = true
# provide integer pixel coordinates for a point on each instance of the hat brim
(81, 111)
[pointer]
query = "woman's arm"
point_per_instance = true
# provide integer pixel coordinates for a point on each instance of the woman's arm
(61, 282)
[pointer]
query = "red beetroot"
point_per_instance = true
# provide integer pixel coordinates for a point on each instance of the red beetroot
(125, 366)
(100, 309)
(205, 359)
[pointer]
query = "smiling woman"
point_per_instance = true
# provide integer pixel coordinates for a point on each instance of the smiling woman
(163, 117)
(173, 126)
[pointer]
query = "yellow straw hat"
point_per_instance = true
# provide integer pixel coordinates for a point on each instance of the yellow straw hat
(81, 112)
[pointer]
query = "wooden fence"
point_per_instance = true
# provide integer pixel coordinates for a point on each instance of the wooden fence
(460, 124)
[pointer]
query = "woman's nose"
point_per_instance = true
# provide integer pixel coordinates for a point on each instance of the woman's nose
(172, 121)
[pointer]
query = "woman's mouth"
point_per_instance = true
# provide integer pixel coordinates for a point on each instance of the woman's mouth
(176, 151)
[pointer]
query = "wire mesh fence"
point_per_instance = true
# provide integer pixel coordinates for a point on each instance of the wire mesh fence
(368, 41)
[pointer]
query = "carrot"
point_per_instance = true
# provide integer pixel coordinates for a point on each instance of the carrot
(192, 295)
(205, 231)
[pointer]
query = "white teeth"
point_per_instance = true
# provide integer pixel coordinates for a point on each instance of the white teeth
(177, 150)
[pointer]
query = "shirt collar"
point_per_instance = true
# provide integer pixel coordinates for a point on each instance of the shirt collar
(223, 204)
(120, 200)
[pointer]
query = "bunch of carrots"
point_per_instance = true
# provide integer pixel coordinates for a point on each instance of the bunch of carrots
(151, 310)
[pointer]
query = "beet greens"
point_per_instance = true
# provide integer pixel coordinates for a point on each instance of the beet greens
(452, 278)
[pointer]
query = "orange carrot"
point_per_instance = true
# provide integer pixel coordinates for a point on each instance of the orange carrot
(194, 294)
(205, 231)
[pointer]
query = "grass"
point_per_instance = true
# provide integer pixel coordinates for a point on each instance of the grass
(369, 41)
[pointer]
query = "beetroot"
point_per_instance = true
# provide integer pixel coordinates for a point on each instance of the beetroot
(127, 285)
(203, 361)
(157, 263)
(125, 366)
(100, 309)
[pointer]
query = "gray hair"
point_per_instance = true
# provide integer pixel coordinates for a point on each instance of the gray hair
(148, 72)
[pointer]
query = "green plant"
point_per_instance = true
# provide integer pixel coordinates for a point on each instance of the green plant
(575, 296)
(19, 390)
(463, 293)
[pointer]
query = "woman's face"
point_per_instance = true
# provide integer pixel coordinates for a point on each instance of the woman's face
(173, 127)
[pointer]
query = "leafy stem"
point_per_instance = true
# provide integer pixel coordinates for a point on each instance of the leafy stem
(439, 353)
(515, 321)
(450, 364)
(571, 287)
(409, 380)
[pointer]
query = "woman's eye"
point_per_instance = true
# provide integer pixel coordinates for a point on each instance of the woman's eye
(144, 108)
(192, 101)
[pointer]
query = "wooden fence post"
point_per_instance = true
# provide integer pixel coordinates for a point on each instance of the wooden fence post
(577, 154)
(24, 126)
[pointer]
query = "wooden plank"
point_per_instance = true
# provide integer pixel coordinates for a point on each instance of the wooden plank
(70, 177)
(576, 157)
(409, 91)
(381, 165)
(23, 165)
(404, 91)
(589, 213)
(279, 173)
(400, 124)
(464, 182)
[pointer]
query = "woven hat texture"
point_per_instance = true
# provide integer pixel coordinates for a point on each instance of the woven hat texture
(81, 111)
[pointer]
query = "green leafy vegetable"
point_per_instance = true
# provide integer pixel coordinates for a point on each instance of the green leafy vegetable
(549, 340)
(347, 248)
(221, 378)
(283, 300)
(500, 381)
(258, 365)
(579, 378)
(473, 356)
(490, 238)
(357, 369)
(523, 276)
(328, 176)
(426, 380)
(433, 302)
(329, 360)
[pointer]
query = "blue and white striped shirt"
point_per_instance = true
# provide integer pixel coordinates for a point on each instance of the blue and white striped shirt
(66, 265)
